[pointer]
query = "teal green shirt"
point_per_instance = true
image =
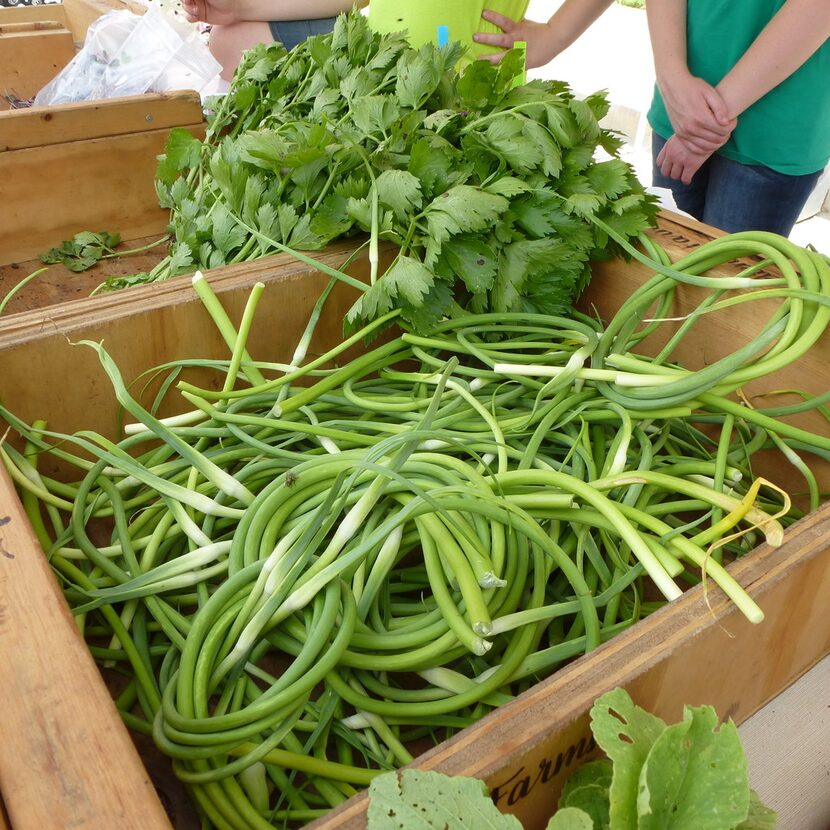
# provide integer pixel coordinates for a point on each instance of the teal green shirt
(789, 128)
(421, 19)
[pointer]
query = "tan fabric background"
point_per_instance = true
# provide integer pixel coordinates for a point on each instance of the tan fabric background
(788, 748)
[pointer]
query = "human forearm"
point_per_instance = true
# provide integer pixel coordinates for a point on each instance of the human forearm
(544, 40)
(695, 109)
(667, 30)
(786, 42)
(569, 21)
(291, 9)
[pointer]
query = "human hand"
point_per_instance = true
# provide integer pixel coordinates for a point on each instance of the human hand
(220, 12)
(697, 112)
(535, 35)
(680, 160)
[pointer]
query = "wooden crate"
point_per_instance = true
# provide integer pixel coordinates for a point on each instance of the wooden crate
(74, 15)
(86, 166)
(32, 53)
(56, 710)
(75, 167)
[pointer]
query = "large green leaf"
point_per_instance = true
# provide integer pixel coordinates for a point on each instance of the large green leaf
(401, 191)
(461, 209)
(626, 733)
(587, 790)
(473, 261)
(695, 776)
(420, 800)
(571, 818)
(759, 817)
(407, 281)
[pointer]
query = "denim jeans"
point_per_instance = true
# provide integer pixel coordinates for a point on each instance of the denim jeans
(738, 197)
(291, 32)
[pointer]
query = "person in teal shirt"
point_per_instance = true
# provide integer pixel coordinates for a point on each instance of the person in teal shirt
(741, 110)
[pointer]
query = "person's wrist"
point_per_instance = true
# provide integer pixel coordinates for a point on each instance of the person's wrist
(671, 76)
(548, 43)
(733, 109)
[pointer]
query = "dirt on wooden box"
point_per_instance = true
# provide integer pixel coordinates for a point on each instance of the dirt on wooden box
(82, 167)
(67, 168)
(696, 650)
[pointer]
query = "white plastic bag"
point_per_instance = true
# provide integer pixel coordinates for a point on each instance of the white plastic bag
(129, 54)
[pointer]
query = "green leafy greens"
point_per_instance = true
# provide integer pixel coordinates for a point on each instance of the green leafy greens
(487, 189)
(690, 775)
(83, 250)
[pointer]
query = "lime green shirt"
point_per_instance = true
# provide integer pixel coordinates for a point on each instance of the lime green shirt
(421, 19)
(788, 129)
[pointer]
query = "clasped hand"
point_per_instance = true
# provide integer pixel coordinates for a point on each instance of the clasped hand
(701, 123)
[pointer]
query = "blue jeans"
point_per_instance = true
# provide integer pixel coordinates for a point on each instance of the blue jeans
(738, 197)
(292, 32)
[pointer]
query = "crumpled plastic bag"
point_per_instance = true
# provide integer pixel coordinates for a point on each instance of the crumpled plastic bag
(130, 54)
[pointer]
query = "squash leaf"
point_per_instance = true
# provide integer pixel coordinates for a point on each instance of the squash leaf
(571, 818)
(625, 733)
(695, 776)
(421, 800)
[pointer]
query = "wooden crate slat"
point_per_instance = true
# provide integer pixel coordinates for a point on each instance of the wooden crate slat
(34, 14)
(30, 26)
(82, 13)
(29, 60)
(66, 759)
(63, 123)
(75, 15)
(99, 184)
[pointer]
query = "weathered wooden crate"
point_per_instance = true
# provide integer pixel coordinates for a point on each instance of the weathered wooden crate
(74, 167)
(81, 769)
(86, 166)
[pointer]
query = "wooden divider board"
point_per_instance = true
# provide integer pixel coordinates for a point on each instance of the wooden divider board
(37, 42)
(66, 759)
(52, 192)
(75, 15)
(82, 13)
(30, 59)
(34, 14)
(28, 128)
(31, 26)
